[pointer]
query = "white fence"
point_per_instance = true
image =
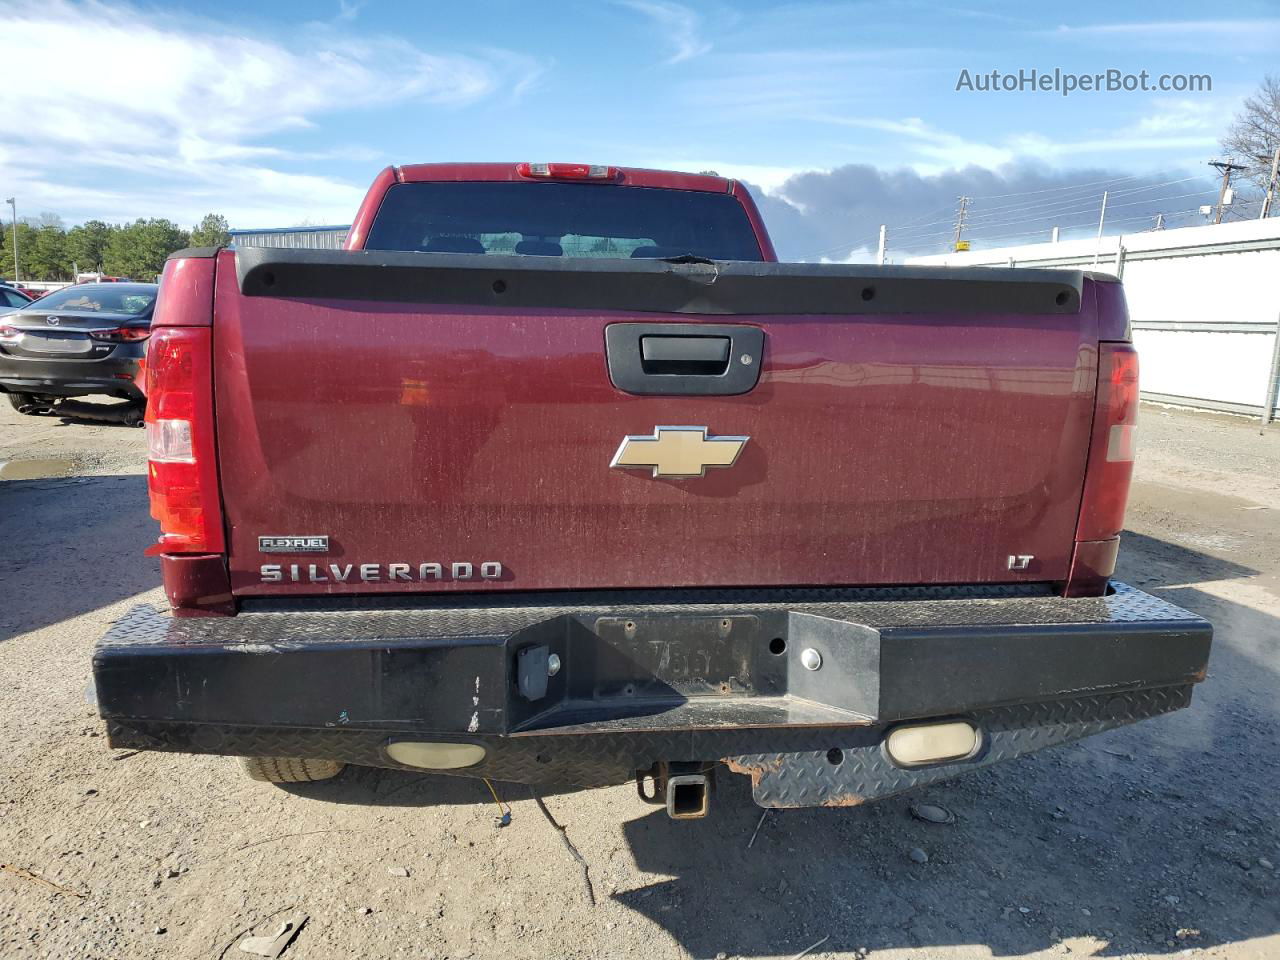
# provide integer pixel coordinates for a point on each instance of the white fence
(308, 238)
(1205, 305)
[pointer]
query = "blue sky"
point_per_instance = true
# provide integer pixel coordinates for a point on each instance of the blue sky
(280, 113)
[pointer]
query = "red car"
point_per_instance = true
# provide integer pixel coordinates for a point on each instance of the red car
(13, 298)
(556, 476)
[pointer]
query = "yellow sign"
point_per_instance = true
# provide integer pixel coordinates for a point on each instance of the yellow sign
(678, 452)
(962, 246)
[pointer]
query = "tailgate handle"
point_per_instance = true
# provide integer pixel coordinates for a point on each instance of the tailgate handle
(684, 359)
(694, 356)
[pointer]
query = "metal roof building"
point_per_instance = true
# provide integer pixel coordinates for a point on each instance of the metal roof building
(1204, 303)
(310, 238)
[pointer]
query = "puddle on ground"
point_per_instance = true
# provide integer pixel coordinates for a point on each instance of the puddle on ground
(33, 469)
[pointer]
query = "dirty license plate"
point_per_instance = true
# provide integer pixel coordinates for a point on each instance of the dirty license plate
(67, 343)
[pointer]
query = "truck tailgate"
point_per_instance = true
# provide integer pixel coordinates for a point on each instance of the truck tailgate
(925, 433)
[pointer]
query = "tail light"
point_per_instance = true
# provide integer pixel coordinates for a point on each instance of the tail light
(121, 334)
(181, 469)
(1109, 472)
(567, 171)
(1115, 420)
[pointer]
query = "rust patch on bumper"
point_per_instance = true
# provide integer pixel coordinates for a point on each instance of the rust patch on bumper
(755, 771)
(844, 800)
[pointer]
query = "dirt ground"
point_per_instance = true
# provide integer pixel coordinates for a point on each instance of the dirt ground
(1153, 840)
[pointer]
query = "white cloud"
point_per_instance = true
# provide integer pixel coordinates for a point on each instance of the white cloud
(1184, 116)
(349, 9)
(1181, 126)
(679, 25)
(1189, 36)
(1044, 148)
(107, 90)
(860, 254)
(933, 148)
(768, 178)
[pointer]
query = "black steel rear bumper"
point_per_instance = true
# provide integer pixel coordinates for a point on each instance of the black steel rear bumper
(650, 676)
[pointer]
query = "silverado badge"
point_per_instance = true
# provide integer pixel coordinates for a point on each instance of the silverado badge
(678, 452)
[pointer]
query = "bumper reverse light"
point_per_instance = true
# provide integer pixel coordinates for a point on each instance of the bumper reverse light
(435, 756)
(931, 743)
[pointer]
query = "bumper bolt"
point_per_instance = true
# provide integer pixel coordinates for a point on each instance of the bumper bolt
(810, 658)
(553, 664)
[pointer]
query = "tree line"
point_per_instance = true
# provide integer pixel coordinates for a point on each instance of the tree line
(48, 250)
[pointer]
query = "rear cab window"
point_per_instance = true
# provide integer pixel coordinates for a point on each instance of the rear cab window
(562, 220)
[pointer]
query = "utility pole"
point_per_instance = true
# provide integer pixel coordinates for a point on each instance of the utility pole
(1271, 185)
(1159, 221)
(884, 233)
(1102, 217)
(1227, 167)
(1053, 237)
(960, 215)
(1273, 379)
(13, 205)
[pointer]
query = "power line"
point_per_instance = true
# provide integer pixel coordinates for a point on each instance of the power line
(1067, 201)
(922, 231)
(1075, 201)
(1152, 186)
(939, 239)
(1000, 238)
(931, 213)
(978, 225)
(1026, 193)
(1046, 210)
(1064, 206)
(908, 228)
(848, 245)
(1079, 192)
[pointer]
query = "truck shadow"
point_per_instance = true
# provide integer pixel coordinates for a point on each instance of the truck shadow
(89, 534)
(384, 787)
(1147, 839)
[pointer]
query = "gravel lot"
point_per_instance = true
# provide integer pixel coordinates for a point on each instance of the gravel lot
(1155, 840)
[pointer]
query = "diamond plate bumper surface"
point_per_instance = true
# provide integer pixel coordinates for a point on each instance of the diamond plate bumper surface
(853, 776)
(655, 676)
(799, 774)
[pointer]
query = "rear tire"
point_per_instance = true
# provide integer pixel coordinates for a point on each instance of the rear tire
(289, 769)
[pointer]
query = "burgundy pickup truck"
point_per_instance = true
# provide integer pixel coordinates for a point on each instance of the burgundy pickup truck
(556, 476)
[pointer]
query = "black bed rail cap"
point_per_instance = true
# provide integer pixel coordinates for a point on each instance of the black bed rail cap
(724, 287)
(194, 253)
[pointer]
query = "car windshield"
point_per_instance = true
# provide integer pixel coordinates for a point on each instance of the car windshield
(562, 220)
(135, 299)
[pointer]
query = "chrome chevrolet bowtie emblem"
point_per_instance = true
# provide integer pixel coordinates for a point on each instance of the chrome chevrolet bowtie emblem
(678, 452)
